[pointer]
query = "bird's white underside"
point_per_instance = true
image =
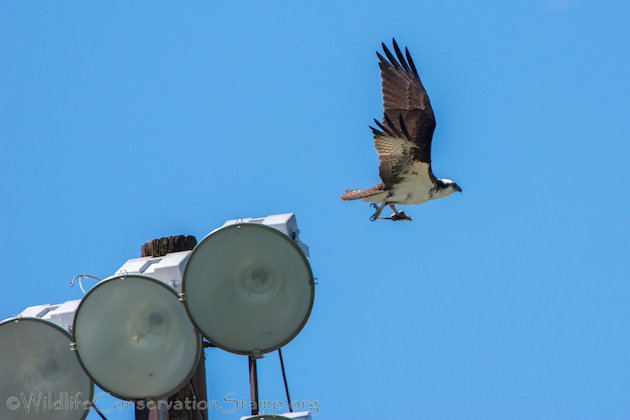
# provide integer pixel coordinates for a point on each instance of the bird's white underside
(416, 187)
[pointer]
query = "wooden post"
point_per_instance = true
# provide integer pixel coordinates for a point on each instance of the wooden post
(195, 390)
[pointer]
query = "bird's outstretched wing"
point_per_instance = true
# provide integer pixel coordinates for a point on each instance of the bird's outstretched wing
(405, 135)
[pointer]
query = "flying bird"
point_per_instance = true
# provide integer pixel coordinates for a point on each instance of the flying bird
(403, 141)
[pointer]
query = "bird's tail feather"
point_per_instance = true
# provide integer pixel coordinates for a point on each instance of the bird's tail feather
(357, 194)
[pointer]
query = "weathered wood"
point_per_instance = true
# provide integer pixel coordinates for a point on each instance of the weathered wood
(195, 390)
(189, 399)
(162, 246)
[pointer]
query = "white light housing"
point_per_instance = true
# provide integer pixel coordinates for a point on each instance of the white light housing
(61, 314)
(248, 287)
(134, 338)
(168, 268)
(285, 223)
(40, 375)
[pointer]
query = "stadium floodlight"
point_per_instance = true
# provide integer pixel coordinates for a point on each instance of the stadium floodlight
(134, 339)
(248, 285)
(41, 378)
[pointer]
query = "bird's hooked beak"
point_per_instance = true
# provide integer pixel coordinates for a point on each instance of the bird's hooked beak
(457, 188)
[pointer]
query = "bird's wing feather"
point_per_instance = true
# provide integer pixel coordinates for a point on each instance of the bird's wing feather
(407, 115)
(397, 154)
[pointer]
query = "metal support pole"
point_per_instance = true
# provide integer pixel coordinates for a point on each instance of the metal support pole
(284, 378)
(253, 385)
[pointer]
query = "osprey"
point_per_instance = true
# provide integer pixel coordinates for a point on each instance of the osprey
(403, 141)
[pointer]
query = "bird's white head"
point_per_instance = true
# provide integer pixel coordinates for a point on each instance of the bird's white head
(447, 186)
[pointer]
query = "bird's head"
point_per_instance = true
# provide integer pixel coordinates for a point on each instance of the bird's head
(448, 185)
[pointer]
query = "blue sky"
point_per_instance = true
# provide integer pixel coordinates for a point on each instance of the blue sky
(121, 122)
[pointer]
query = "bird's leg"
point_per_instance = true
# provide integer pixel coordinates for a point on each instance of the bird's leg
(398, 215)
(377, 212)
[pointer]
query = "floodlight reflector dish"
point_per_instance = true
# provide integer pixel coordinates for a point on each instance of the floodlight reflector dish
(40, 375)
(248, 288)
(134, 338)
